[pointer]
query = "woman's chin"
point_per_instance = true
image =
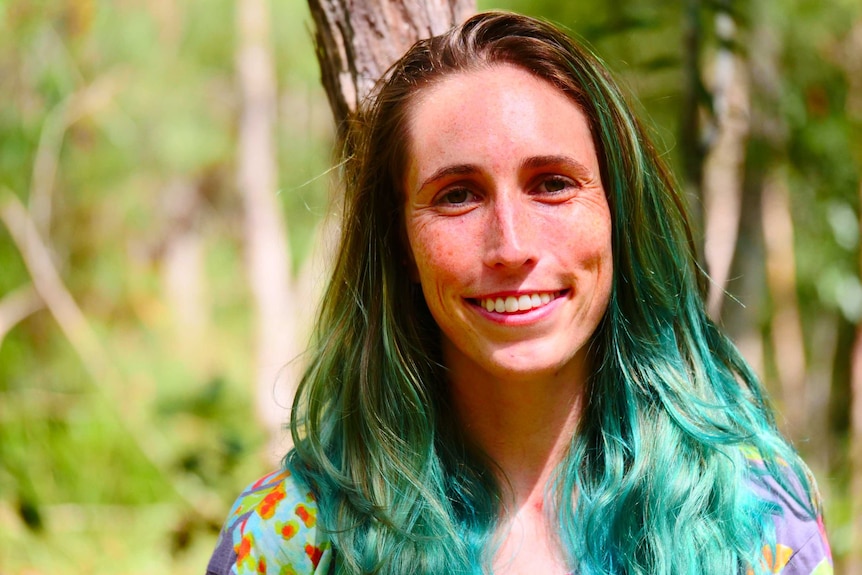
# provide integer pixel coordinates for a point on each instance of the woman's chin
(530, 366)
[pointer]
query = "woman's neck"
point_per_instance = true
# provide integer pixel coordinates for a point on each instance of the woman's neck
(524, 424)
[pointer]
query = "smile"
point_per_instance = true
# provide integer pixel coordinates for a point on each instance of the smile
(517, 303)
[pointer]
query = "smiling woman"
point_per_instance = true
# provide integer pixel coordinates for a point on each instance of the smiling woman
(504, 203)
(513, 371)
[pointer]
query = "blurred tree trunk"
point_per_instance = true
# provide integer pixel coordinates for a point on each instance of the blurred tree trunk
(715, 127)
(266, 239)
(691, 148)
(769, 144)
(745, 312)
(788, 343)
(723, 166)
(742, 315)
(356, 42)
(183, 257)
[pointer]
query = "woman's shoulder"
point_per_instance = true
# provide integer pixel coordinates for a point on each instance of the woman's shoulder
(802, 547)
(272, 528)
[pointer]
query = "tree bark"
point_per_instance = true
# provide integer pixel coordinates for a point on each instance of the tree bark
(356, 42)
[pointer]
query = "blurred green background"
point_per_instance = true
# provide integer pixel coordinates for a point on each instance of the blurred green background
(127, 418)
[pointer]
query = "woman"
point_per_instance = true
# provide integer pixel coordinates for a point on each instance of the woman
(512, 370)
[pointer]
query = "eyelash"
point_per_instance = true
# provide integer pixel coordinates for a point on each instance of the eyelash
(564, 182)
(446, 195)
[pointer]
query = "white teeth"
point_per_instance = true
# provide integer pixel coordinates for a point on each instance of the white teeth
(512, 304)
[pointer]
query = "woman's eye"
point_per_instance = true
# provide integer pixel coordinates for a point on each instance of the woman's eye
(456, 197)
(555, 185)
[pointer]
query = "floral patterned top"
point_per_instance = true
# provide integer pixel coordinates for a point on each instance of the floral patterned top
(271, 530)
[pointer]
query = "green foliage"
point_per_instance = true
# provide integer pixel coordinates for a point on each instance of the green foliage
(127, 462)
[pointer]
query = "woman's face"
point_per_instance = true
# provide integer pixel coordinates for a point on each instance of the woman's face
(507, 223)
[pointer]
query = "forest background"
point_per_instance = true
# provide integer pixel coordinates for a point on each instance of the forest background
(135, 398)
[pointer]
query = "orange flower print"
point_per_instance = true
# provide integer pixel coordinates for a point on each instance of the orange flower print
(243, 550)
(261, 566)
(308, 515)
(288, 529)
(266, 508)
(314, 553)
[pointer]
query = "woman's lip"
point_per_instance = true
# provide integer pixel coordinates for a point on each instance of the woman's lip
(513, 303)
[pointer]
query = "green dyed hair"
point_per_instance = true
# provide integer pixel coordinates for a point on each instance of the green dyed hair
(654, 478)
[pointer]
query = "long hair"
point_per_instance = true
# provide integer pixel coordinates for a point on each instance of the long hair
(653, 480)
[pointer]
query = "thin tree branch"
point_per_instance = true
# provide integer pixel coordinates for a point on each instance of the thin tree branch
(82, 103)
(17, 305)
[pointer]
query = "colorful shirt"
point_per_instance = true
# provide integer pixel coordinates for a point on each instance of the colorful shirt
(271, 530)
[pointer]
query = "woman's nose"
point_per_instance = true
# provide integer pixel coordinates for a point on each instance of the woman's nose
(509, 235)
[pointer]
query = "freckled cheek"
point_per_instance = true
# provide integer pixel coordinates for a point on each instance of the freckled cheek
(601, 260)
(438, 259)
(582, 240)
(590, 249)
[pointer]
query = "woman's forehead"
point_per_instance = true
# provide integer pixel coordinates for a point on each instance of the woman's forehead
(482, 116)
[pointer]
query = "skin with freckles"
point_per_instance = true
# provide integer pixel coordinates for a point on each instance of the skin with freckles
(504, 200)
(510, 235)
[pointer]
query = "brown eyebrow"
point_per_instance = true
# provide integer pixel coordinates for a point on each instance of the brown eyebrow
(449, 171)
(536, 162)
